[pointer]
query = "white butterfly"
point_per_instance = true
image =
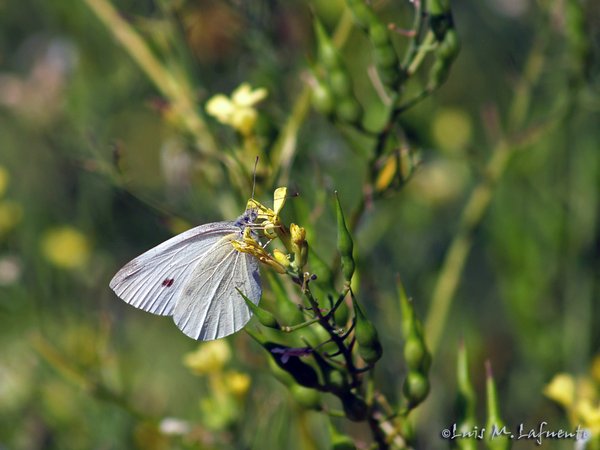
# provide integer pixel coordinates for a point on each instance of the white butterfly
(194, 277)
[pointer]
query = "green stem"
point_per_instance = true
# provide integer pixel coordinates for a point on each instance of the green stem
(339, 342)
(300, 325)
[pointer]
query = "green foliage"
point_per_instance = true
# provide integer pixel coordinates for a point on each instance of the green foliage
(462, 140)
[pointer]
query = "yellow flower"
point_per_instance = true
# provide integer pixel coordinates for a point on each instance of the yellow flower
(3, 180)
(65, 247)
(237, 383)
(245, 96)
(561, 389)
(238, 111)
(579, 398)
(249, 245)
(589, 415)
(268, 221)
(210, 357)
(10, 215)
(221, 108)
(267, 217)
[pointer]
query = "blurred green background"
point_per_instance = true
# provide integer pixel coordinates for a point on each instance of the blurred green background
(94, 169)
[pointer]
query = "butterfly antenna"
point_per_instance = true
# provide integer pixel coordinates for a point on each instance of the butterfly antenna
(254, 176)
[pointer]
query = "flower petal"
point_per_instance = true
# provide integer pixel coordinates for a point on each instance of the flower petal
(221, 108)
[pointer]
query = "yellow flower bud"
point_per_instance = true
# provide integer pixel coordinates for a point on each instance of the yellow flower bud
(299, 245)
(281, 257)
(298, 234)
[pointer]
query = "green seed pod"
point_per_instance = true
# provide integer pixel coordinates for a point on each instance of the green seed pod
(308, 398)
(344, 242)
(334, 380)
(363, 15)
(440, 17)
(437, 7)
(340, 441)
(337, 380)
(340, 83)
(349, 110)
(415, 388)
(494, 422)
(465, 401)
(354, 406)
(264, 317)
(415, 353)
(286, 309)
(410, 322)
(304, 374)
(384, 53)
(408, 312)
(369, 346)
(386, 61)
(450, 46)
(445, 56)
(322, 98)
(328, 54)
(284, 377)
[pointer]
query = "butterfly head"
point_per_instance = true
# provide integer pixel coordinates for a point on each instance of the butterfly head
(247, 219)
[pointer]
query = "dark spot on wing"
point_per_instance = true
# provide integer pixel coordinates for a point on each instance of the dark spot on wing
(168, 282)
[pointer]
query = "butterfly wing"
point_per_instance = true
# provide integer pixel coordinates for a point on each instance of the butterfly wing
(154, 280)
(210, 307)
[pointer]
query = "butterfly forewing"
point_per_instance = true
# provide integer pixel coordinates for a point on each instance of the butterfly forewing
(210, 307)
(155, 280)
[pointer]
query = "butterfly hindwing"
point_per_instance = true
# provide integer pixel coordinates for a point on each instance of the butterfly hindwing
(210, 307)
